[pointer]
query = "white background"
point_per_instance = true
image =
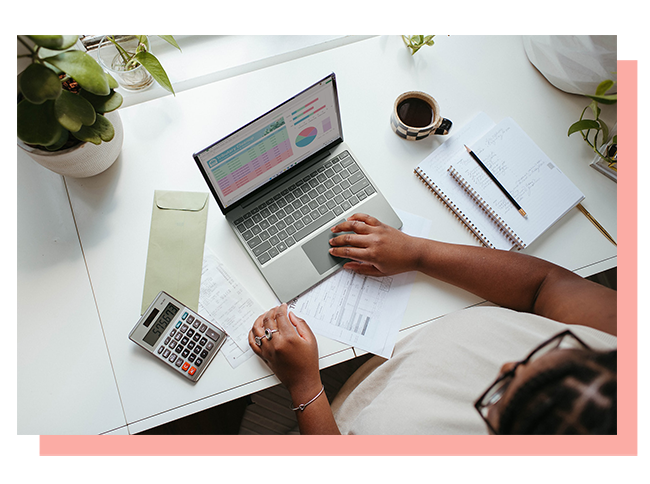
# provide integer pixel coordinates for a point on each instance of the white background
(623, 18)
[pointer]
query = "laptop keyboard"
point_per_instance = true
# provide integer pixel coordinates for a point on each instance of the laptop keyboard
(316, 199)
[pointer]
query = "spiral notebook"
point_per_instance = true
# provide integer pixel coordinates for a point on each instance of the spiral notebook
(531, 177)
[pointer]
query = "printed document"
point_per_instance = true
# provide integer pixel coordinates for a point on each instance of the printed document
(228, 305)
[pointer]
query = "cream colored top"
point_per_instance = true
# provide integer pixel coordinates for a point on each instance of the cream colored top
(436, 373)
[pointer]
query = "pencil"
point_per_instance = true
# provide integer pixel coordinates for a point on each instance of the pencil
(493, 178)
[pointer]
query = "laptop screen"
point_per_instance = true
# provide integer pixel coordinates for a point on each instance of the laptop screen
(265, 148)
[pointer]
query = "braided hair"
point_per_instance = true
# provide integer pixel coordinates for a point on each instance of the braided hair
(577, 397)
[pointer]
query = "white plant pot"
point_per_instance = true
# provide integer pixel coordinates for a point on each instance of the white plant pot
(573, 63)
(84, 160)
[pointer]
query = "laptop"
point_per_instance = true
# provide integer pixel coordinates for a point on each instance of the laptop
(284, 179)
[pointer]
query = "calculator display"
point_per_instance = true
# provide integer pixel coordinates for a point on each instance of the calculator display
(160, 325)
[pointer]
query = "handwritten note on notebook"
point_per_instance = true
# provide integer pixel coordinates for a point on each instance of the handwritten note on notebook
(535, 182)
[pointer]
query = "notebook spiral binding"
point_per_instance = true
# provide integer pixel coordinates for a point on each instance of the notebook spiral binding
(489, 211)
(451, 206)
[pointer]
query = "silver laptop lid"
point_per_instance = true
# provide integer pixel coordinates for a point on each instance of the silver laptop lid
(267, 148)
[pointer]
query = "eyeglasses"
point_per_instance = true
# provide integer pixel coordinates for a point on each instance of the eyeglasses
(496, 391)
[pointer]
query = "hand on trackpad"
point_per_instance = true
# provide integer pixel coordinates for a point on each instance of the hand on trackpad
(317, 249)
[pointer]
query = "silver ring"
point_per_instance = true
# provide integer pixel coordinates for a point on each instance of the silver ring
(269, 333)
(258, 340)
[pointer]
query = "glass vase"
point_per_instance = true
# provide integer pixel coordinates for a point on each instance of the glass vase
(131, 76)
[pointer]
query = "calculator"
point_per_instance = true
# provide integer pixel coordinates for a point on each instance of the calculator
(175, 334)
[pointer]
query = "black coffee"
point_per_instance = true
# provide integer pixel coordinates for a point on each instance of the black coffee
(415, 112)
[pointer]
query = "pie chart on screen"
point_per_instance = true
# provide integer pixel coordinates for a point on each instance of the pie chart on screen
(306, 136)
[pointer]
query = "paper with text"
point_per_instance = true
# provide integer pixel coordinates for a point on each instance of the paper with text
(229, 306)
(531, 178)
(230, 350)
(433, 170)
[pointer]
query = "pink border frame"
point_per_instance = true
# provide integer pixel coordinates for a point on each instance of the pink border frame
(625, 443)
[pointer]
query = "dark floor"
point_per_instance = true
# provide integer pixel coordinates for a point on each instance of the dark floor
(227, 419)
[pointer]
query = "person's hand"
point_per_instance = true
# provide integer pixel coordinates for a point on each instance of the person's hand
(377, 249)
(291, 353)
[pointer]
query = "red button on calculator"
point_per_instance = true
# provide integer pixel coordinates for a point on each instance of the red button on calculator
(186, 366)
(192, 371)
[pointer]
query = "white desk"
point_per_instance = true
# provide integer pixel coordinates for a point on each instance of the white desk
(466, 75)
(65, 380)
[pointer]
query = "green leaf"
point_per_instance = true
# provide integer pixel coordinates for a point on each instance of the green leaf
(73, 111)
(152, 65)
(595, 109)
(605, 99)
(102, 130)
(170, 39)
(36, 123)
(104, 127)
(112, 83)
(61, 141)
(83, 69)
(86, 133)
(103, 104)
(54, 42)
(603, 87)
(582, 125)
(38, 83)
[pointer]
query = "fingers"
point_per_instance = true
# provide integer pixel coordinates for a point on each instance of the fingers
(301, 326)
(364, 269)
(269, 320)
(288, 323)
(274, 319)
(350, 239)
(359, 223)
(283, 323)
(365, 218)
(256, 330)
(348, 252)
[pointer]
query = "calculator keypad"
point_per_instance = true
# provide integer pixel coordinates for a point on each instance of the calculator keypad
(189, 345)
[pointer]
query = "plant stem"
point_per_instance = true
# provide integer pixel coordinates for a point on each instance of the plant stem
(586, 138)
(123, 53)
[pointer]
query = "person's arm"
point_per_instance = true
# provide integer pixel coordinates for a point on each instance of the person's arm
(509, 279)
(292, 354)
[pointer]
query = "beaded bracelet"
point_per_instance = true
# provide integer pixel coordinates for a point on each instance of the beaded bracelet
(302, 406)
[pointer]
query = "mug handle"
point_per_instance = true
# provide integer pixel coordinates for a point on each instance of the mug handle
(444, 127)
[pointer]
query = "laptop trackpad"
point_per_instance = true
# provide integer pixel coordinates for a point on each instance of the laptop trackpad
(317, 249)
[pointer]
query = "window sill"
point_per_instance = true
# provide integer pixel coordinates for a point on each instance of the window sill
(205, 59)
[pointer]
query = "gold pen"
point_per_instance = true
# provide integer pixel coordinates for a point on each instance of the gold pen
(595, 222)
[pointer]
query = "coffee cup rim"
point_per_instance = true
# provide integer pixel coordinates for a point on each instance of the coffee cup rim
(437, 118)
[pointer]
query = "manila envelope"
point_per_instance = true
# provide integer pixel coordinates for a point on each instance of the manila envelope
(176, 240)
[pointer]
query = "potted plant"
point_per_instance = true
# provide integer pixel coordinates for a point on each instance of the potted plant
(66, 115)
(596, 133)
(416, 42)
(129, 59)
